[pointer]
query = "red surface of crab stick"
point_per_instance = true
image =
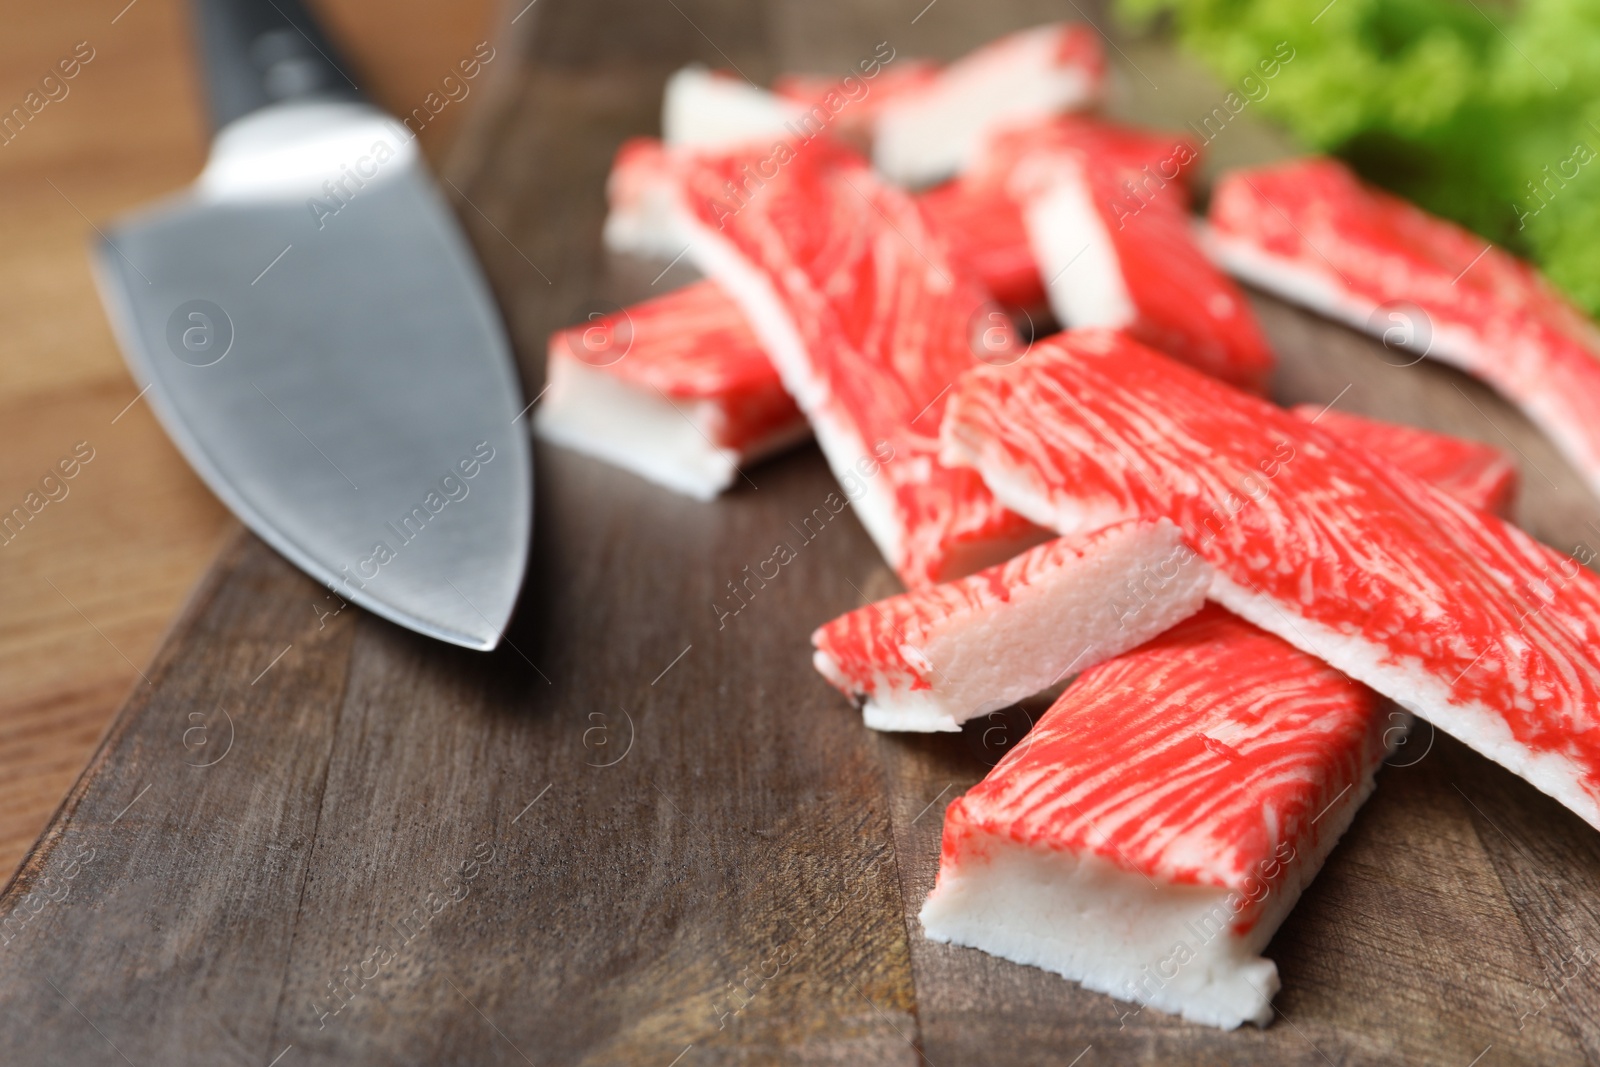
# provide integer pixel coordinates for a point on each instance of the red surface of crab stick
(869, 323)
(1449, 611)
(1224, 765)
(933, 658)
(1106, 212)
(983, 228)
(1473, 473)
(677, 390)
(1144, 165)
(1313, 233)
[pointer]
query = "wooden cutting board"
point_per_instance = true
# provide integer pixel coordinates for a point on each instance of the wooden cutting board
(636, 835)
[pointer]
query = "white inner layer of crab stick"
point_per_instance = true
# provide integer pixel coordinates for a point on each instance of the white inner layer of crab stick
(600, 415)
(640, 194)
(1449, 611)
(931, 659)
(1075, 252)
(1152, 831)
(676, 389)
(707, 109)
(937, 130)
(926, 127)
(1119, 252)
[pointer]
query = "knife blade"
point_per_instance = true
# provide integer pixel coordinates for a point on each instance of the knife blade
(319, 342)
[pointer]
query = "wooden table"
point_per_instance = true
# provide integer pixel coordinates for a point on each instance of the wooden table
(88, 587)
(634, 836)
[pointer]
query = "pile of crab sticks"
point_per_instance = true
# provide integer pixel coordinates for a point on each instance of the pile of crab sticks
(1241, 593)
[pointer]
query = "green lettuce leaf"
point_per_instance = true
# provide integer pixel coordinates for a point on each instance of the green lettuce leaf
(1484, 113)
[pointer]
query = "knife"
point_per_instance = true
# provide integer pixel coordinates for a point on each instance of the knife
(319, 342)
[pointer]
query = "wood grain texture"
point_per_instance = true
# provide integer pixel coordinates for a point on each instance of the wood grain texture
(641, 834)
(90, 586)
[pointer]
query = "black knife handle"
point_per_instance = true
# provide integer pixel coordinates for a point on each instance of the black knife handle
(261, 52)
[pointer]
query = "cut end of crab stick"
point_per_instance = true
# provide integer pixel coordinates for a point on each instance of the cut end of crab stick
(1310, 231)
(937, 130)
(1448, 610)
(1150, 834)
(931, 659)
(704, 108)
(676, 389)
(639, 193)
(1474, 473)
